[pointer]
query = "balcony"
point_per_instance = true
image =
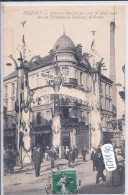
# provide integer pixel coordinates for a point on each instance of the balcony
(70, 82)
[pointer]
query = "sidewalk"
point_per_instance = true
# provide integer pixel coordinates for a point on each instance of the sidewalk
(23, 181)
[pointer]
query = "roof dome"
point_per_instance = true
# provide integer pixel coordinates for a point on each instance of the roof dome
(64, 43)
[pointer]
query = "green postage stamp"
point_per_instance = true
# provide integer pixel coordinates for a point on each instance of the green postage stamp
(64, 182)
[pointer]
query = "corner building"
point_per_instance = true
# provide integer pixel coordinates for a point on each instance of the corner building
(73, 98)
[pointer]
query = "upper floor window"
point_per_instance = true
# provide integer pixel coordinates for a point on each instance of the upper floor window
(48, 115)
(109, 106)
(76, 74)
(109, 90)
(87, 81)
(65, 71)
(6, 104)
(6, 91)
(105, 89)
(13, 104)
(13, 88)
(37, 80)
(81, 78)
(101, 90)
(88, 117)
(101, 102)
(38, 117)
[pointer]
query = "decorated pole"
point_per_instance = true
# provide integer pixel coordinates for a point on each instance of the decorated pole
(56, 123)
(96, 130)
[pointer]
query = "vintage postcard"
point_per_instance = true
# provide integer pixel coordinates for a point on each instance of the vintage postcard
(63, 99)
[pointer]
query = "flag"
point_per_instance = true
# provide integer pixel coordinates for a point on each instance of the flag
(92, 45)
(23, 23)
(23, 40)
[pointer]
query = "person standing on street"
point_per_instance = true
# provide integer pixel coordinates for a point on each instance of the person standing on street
(76, 152)
(94, 159)
(69, 157)
(84, 152)
(51, 154)
(37, 158)
(73, 154)
(100, 167)
(67, 152)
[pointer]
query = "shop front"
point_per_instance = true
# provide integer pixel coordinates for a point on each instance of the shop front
(9, 137)
(41, 136)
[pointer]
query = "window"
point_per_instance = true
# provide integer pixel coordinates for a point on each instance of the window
(48, 114)
(65, 112)
(109, 105)
(101, 102)
(88, 118)
(76, 74)
(65, 71)
(6, 91)
(38, 118)
(13, 104)
(105, 104)
(37, 80)
(105, 89)
(13, 88)
(109, 91)
(101, 90)
(87, 81)
(6, 104)
(81, 78)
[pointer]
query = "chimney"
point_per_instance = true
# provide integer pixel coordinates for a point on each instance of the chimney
(112, 52)
(112, 66)
(79, 50)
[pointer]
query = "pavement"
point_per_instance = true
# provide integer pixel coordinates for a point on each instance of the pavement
(23, 181)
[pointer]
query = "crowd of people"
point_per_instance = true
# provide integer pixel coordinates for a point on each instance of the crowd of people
(112, 178)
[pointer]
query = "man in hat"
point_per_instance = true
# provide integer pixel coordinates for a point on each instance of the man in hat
(94, 159)
(37, 158)
(84, 152)
(100, 167)
(52, 156)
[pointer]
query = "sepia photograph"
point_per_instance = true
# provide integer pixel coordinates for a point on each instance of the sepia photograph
(63, 99)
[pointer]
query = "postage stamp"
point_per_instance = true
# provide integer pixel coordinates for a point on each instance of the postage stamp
(64, 182)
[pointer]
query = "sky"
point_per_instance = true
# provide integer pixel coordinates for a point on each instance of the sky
(45, 24)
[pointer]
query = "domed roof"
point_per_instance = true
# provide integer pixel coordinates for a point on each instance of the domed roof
(64, 43)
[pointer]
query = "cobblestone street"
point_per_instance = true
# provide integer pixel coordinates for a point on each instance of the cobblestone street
(23, 181)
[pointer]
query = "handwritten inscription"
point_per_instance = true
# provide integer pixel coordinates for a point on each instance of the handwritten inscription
(109, 157)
